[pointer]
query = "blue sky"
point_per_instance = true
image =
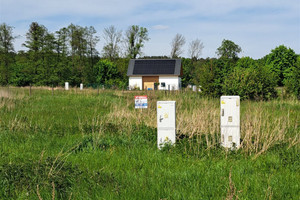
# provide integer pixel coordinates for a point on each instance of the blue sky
(257, 26)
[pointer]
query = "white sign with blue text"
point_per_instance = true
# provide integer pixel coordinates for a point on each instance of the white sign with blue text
(141, 101)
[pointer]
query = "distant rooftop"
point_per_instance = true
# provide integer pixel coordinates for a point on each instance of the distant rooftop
(150, 67)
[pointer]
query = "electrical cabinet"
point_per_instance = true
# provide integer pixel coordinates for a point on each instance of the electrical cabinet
(166, 123)
(66, 85)
(194, 88)
(230, 121)
(81, 86)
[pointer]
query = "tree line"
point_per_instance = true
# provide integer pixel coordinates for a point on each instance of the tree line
(71, 54)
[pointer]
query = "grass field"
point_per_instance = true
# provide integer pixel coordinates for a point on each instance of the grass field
(89, 145)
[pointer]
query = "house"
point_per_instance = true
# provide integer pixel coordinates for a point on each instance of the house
(150, 74)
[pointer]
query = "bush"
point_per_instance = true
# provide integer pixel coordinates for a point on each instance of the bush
(106, 71)
(292, 81)
(256, 82)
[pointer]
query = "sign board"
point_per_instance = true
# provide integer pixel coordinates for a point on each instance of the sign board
(141, 101)
(166, 123)
(230, 121)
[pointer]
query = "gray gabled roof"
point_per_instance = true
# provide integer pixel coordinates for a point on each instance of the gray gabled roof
(154, 67)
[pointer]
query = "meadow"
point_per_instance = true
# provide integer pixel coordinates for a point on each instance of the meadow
(93, 144)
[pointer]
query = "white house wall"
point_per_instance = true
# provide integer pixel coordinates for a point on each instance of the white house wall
(135, 82)
(173, 81)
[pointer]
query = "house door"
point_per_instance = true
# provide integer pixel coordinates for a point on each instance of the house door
(148, 82)
(148, 85)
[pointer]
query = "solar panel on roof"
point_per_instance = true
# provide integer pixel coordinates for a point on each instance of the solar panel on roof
(144, 67)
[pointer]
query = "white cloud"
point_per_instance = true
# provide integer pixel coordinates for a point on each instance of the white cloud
(160, 27)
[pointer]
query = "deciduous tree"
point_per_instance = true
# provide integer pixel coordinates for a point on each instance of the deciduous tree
(135, 39)
(177, 43)
(36, 43)
(6, 49)
(112, 37)
(228, 49)
(281, 59)
(195, 49)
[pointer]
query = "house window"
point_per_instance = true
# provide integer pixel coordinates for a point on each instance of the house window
(163, 84)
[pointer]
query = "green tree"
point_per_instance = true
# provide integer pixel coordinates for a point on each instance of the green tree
(106, 71)
(49, 71)
(228, 49)
(254, 82)
(23, 72)
(135, 38)
(292, 79)
(209, 76)
(62, 53)
(37, 45)
(282, 60)
(62, 42)
(245, 62)
(92, 53)
(187, 71)
(78, 44)
(6, 52)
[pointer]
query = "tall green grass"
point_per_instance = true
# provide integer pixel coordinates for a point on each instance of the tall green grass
(84, 145)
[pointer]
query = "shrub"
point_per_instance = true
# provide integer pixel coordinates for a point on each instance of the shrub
(292, 81)
(251, 83)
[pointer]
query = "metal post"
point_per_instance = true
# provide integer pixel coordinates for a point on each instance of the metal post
(30, 89)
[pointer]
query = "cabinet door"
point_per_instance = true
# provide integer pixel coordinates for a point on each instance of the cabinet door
(230, 111)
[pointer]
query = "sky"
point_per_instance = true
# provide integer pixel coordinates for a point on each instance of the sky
(257, 26)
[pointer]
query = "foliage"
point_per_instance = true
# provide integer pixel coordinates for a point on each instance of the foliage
(251, 83)
(228, 49)
(187, 71)
(281, 59)
(106, 72)
(6, 38)
(6, 52)
(70, 54)
(211, 73)
(245, 62)
(292, 79)
(208, 75)
(135, 38)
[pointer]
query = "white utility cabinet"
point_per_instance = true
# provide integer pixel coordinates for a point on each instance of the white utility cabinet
(66, 85)
(166, 122)
(230, 121)
(81, 86)
(194, 88)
